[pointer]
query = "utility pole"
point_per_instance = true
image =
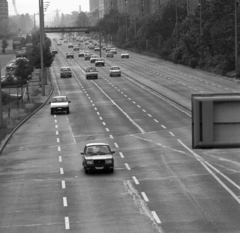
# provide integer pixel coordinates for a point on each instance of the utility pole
(236, 38)
(41, 44)
(201, 30)
(1, 113)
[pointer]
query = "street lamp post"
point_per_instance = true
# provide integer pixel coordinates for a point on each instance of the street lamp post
(41, 44)
(201, 29)
(236, 38)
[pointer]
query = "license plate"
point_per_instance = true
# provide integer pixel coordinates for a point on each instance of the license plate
(99, 168)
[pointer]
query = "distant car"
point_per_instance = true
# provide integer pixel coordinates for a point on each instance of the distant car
(81, 53)
(113, 50)
(91, 73)
(99, 62)
(98, 156)
(108, 48)
(91, 46)
(65, 72)
(93, 58)
(70, 46)
(97, 49)
(54, 51)
(59, 104)
(109, 54)
(69, 55)
(87, 56)
(75, 48)
(59, 43)
(65, 41)
(124, 54)
(115, 71)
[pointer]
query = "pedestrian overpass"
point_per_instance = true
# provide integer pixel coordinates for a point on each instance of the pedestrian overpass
(71, 29)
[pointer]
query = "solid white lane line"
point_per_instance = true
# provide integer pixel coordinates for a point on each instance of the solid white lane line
(155, 216)
(135, 180)
(104, 123)
(156, 120)
(116, 145)
(56, 132)
(206, 165)
(130, 119)
(59, 148)
(56, 126)
(149, 115)
(171, 133)
(63, 184)
(145, 196)
(60, 159)
(127, 166)
(107, 129)
(67, 223)
(64, 201)
(163, 126)
(61, 171)
(58, 140)
(121, 155)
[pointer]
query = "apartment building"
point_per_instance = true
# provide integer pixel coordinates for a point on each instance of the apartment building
(3, 10)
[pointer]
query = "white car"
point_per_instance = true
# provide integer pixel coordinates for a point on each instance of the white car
(124, 54)
(91, 73)
(115, 71)
(59, 104)
(93, 58)
(113, 50)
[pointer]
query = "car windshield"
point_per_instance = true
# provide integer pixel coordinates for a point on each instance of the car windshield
(65, 69)
(59, 99)
(98, 150)
(115, 68)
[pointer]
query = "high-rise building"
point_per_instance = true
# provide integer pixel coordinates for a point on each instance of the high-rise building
(3, 10)
(93, 5)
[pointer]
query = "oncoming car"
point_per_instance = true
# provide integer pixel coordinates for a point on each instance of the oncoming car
(87, 56)
(109, 54)
(93, 58)
(70, 46)
(91, 72)
(59, 104)
(124, 54)
(65, 72)
(98, 156)
(115, 71)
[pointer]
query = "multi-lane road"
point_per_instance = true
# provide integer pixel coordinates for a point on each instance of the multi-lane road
(159, 184)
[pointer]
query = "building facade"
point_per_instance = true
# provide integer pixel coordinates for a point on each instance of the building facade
(3, 10)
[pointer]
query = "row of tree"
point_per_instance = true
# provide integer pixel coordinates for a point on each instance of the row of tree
(177, 37)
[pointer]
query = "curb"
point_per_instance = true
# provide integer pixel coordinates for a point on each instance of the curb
(7, 138)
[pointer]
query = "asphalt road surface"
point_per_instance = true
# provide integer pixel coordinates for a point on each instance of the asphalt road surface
(159, 184)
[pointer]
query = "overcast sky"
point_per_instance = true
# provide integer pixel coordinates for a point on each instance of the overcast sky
(32, 6)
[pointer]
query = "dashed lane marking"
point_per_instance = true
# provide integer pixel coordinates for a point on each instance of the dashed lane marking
(121, 155)
(61, 171)
(60, 159)
(155, 216)
(127, 166)
(145, 196)
(135, 180)
(67, 223)
(65, 202)
(63, 184)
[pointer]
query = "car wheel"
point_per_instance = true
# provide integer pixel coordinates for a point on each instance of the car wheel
(67, 111)
(86, 171)
(110, 75)
(111, 170)
(119, 75)
(52, 112)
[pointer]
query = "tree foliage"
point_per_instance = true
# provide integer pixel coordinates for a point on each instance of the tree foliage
(4, 44)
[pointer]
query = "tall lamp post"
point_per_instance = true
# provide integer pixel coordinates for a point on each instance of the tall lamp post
(236, 38)
(201, 29)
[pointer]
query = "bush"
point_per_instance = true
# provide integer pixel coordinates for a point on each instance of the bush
(193, 62)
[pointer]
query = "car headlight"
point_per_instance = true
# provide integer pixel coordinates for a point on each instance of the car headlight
(89, 162)
(109, 161)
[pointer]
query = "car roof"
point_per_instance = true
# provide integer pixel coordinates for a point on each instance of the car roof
(59, 96)
(65, 67)
(97, 144)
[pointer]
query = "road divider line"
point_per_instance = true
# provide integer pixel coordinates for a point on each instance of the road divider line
(61, 171)
(58, 140)
(104, 123)
(56, 126)
(127, 166)
(156, 120)
(56, 132)
(155, 216)
(111, 136)
(107, 129)
(116, 145)
(145, 196)
(65, 202)
(67, 223)
(121, 155)
(63, 184)
(129, 118)
(163, 126)
(135, 180)
(55, 121)
(149, 115)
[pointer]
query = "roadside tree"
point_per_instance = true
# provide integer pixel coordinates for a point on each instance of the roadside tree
(4, 45)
